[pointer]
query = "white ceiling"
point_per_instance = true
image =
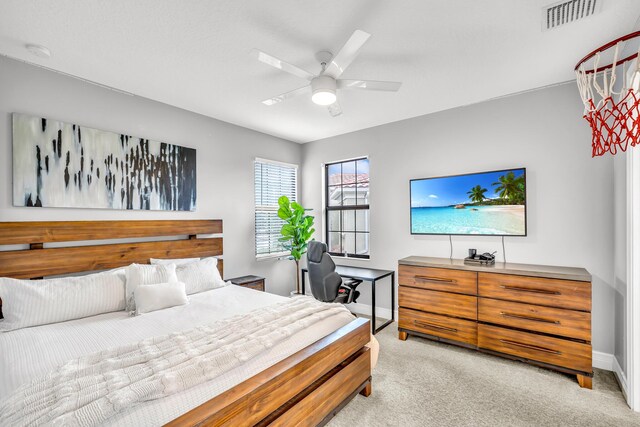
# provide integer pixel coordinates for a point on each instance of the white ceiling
(196, 54)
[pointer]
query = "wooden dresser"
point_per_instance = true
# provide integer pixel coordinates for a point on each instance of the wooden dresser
(533, 313)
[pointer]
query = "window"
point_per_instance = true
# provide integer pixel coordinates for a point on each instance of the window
(272, 180)
(347, 208)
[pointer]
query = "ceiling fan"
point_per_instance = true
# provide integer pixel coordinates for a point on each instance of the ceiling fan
(324, 85)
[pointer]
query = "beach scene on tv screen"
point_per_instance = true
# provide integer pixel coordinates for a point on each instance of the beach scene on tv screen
(483, 203)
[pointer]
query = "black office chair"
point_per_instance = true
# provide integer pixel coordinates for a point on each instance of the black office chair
(326, 284)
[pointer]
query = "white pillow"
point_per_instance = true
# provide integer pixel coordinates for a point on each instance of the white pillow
(156, 297)
(39, 302)
(144, 274)
(200, 276)
(176, 261)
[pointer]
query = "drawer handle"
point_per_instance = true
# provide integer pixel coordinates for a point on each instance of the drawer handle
(432, 326)
(532, 290)
(530, 347)
(435, 280)
(535, 319)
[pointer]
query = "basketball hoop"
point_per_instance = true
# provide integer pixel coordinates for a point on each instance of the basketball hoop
(611, 96)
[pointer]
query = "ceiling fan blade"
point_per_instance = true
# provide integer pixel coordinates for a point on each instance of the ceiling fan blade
(281, 65)
(347, 54)
(334, 109)
(277, 99)
(369, 85)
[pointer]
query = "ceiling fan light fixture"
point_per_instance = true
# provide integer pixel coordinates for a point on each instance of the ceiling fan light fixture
(323, 90)
(323, 97)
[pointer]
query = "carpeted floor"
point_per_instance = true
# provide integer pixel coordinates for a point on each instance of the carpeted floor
(423, 383)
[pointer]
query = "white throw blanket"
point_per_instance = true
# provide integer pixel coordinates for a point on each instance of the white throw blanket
(88, 390)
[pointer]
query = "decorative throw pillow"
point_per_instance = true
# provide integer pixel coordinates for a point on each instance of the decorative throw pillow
(200, 276)
(144, 274)
(156, 297)
(176, 261)
(39, 302)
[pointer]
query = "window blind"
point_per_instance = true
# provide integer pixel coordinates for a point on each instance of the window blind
(272, 180)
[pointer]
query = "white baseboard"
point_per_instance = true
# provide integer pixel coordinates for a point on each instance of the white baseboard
(603, 360)
(620, 376)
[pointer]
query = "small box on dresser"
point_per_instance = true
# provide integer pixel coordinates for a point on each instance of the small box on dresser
(534, 313)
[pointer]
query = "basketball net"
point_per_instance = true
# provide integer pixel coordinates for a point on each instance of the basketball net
(611, 97)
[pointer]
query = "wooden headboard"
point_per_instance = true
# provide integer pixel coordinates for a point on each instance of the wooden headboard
(40, 261)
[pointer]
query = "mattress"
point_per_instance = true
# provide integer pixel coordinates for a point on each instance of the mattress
(32, 352)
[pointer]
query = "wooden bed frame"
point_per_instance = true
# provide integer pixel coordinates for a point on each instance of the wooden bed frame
(307, 388)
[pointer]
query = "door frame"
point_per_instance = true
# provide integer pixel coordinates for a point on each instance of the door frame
(633, 279)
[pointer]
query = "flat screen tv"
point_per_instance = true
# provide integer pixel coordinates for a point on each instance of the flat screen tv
(485, 203)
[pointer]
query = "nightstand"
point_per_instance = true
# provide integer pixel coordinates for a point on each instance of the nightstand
(252, 282)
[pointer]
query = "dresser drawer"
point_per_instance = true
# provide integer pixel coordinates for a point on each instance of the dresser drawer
(554, 351)
(439, 279)
(441, 326)
(554, 321)
(251, 282)
(536, 290)
(438, 302)
(258, 286)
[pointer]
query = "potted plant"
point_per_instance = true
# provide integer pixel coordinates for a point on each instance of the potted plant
(296, 232)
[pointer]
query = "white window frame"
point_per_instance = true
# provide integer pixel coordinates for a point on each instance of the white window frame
(269, 208)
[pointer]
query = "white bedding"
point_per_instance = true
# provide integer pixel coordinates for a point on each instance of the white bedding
(29, 353)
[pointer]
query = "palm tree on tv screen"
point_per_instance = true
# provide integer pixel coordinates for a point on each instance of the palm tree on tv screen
(511, 188)
(476, 194)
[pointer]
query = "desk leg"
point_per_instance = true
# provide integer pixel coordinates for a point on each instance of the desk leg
(373, 307)
(375, 329)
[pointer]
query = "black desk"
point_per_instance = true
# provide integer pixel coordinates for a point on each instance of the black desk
(368, 275)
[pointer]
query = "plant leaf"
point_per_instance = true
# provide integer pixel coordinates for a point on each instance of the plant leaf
(283, 202)
(284, 214)
(288, 230)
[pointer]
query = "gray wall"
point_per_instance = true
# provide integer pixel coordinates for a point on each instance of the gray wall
(570, 195)
(225, 157)
(620, 258)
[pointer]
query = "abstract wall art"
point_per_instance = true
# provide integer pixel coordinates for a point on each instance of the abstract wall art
(58, 164)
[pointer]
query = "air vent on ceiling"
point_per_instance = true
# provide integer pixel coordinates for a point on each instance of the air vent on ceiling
(568, 11)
